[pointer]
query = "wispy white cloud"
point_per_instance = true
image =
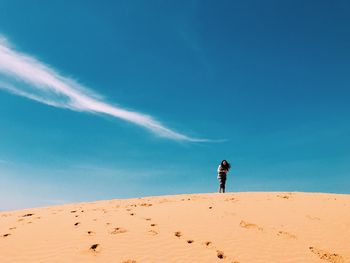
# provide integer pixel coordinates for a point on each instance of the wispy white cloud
(26, 76)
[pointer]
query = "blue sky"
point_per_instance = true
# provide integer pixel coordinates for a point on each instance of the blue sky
(270, 78)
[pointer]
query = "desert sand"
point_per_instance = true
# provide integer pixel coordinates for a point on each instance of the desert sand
(244, 227)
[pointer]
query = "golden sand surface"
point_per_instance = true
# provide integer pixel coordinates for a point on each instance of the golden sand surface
(247, 227)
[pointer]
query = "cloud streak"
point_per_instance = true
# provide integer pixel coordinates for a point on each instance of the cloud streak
(26, 76)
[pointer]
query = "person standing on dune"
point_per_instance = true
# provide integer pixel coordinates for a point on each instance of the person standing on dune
(223, 169)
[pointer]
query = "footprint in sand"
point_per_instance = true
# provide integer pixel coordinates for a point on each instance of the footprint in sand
(90, 233)
(77, 223)
(231, 199)
(250, 225)
(12, 228)
(286, 235)
(220, 254)
(330, 257)
(153, 224)
(118, 230)
(27, 215)
(129, 261)
(145, 204)
(95, 247)
(153, 232)
(148, 219)
(178, 234)
(6, 235)
(312, 217)
(283, 196)
(332, 198)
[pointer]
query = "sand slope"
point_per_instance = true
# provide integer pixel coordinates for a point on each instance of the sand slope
(231, 227)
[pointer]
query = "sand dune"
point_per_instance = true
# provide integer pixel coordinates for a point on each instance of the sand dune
(233, 227)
